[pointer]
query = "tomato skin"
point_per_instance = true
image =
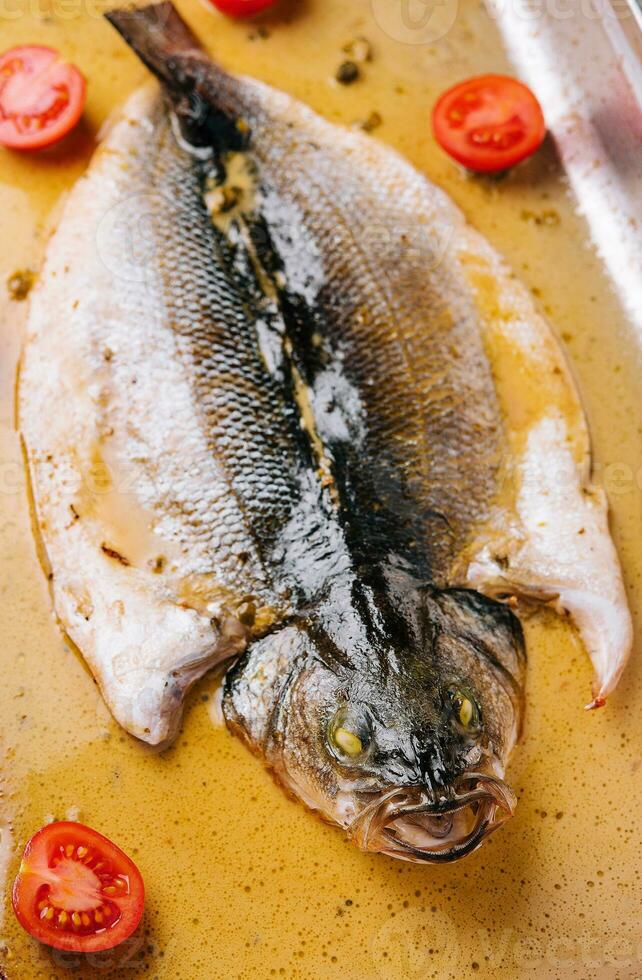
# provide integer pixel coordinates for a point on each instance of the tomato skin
(242, 8)
(39, 878)
(41, 97)
(488, 123)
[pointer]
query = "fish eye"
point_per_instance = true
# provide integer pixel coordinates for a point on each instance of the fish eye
(349, 734)
(465, 711)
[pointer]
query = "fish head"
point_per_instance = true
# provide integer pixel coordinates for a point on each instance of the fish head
(404, 748)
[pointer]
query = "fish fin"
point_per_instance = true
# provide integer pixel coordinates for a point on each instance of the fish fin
(559, 551)
(256, 685)
(157, 33)
(145, 653)
(204, 98)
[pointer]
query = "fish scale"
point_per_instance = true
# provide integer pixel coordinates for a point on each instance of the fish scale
(399, 358)
(252, 428)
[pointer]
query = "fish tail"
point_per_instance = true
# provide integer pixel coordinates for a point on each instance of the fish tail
(203, 97)
(159, 35)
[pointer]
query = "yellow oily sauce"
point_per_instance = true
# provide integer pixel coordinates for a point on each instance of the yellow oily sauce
(241, 882)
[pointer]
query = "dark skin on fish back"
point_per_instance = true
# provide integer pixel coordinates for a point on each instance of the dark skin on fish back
(410, 432)
(345, 392)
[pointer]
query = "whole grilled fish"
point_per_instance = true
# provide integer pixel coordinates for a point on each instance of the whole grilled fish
(280, 402)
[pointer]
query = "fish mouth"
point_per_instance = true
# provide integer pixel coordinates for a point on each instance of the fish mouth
(414, 824)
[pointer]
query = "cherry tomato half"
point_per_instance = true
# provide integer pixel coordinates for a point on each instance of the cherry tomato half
(489, 123)
(242, 8)
(76, 890)
(41, 97)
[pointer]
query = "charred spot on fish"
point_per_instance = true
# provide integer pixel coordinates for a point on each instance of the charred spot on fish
(113, 553)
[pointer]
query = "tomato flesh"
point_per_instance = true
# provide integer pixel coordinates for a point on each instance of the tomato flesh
(242, 8)
(489, 123)
(41, 97)
(76, 890)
